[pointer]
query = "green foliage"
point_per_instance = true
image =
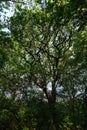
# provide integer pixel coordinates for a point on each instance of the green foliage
(43, 67)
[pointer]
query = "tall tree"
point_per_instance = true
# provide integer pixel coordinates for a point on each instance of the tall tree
(44, 39)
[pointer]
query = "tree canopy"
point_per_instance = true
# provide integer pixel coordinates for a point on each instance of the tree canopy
(43, 71)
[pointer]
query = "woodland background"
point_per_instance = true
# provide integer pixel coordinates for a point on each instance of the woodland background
(43, 65)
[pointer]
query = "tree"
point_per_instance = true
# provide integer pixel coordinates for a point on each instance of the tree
(45, 41)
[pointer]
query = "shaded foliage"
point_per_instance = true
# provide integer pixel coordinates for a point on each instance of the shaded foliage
(43, 72)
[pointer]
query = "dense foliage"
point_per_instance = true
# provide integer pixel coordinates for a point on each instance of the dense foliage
(43, 71)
